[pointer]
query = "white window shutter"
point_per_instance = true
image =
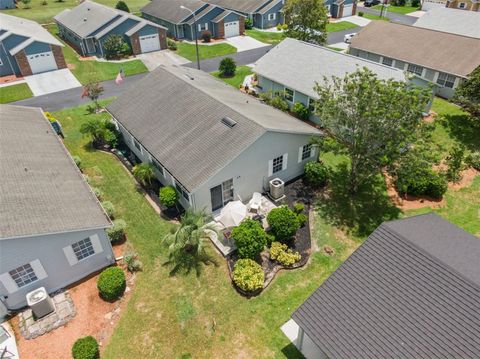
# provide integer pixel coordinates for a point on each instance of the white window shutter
(270, 168)
(285, 160)
(70, 254)
(38, 269)
(206, 26)
(199, 27)
(314, 150)
(8, 283)
(173, 181)
(300, 152)
(97, 246)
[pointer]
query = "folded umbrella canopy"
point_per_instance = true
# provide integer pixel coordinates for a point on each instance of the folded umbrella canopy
(232, 214)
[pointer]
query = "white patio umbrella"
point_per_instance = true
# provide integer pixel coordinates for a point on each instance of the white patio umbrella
(232, 214)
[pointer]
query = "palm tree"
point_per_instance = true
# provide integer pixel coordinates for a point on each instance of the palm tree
(95, 128)
(187, 244)
(145, 173)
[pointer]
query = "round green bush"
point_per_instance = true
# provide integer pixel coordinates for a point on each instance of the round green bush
(86, 348)
(111, 283)
(171, 44)
(109, 209)
(283, 223)
(116, 233)
(248, 275)
(168, 196)
(437, 185)
(227, 67)
(316, 174)
(250, 238)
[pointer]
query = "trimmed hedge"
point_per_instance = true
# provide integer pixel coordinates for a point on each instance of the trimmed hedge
(86, 348)
(316, 174)
(250, 238)
(111, 283)
(116, 233)
(283, 223)
(248, 275)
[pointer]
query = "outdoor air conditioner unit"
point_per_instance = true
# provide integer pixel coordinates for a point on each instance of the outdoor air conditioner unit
(40, 302)
(277, 187)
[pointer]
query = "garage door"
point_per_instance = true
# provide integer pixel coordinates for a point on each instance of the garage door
(42, 62)
(232, 29)
(149, 43)
(347, 10)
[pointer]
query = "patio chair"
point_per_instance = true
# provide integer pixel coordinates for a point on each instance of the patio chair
(255, 202)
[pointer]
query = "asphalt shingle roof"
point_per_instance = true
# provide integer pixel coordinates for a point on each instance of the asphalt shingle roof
(245, 6)
(176, 114)
(41, 189)
(441, 51)
(307, 65)
(170, 10)
(412, 290)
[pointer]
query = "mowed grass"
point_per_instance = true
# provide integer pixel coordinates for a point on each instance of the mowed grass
(237, 80)
(267, 37)
(15, 93)
(396, 9)
(91, 70)
(340, 26)
(44, 13)
(375, 17)
(205, 51)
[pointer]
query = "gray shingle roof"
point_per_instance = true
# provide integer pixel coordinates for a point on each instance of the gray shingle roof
(170, 10)
(245, 6)
(176, 113)
(308, 64)
(412, 290)
(41, 190)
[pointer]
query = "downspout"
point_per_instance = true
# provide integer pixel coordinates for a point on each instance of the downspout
(8, 58)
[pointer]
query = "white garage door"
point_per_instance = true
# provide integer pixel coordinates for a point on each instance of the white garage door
(149, 43)
(347, 10)
(42, 62)
(232, 29)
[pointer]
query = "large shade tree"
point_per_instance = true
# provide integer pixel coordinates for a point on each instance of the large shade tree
(467, 95)
(306, 20)
(373, 120)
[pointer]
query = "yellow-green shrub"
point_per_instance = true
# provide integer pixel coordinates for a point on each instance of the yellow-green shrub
(248, 275)
(282, 254)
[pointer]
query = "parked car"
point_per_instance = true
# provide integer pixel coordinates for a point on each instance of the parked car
(347, 38)
(369, 3)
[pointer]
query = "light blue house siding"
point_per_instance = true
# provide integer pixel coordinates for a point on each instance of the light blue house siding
(7, 4)
(71, 38)
(119, 30)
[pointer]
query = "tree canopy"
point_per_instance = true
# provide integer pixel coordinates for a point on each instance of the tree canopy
(306, 20)
(467, 95)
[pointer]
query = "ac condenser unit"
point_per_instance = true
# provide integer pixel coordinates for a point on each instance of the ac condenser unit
(40, 302)
(277, 188)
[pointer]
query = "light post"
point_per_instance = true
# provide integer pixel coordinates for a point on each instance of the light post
(196, 35)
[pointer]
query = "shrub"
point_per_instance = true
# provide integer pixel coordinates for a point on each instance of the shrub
(473, 160)
(438, 186)
(227, 67)
(360, 13)
(171, 44)
(98, 192)
(144, 173)
(279, 26)
(415, 3)
(131, 260)
(280, 103)
(282, 254)
(301, 111)
(283, 223)
(116, 47)
(26, 4)
(248, 24)
(316, 174)
(111, 283)
(417, 178)
(298, 208)
(168, 196)
(109, 209)
(78, 161)
(250, 238)
(206, 36)
(302, 219)
(116, 233)
(248, 275)
(121, 5)
(44, 2)
(86, 348)
(455, 163)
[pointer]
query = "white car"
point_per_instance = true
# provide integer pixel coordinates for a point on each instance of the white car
(8, 346)
(347, 38)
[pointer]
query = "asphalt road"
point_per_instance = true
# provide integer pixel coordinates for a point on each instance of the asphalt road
(400, 18)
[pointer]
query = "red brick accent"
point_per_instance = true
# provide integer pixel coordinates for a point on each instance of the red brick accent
(354, 9)
(135, 41)
(58, 55)
(221, 29)
(162, 35)
(340, 12)
(23, 64)
(475, 6)
(242, 25)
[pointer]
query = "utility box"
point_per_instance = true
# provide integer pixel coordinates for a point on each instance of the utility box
(40, 302)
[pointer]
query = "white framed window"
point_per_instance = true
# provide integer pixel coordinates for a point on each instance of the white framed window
(462, 5)
(272, 16)
(305, 152)
(387, 61)
(289, 94)
(203, 27)
(446, 80)
(311, 105)
(277, 164)
(227, 191)
(415, 69)
(137, 144)
(23, 275)
(183, 192)
(158, 166)
(83, 249)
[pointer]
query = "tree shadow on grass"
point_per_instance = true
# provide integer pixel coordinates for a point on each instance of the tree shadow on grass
(291, 352)
(361, 213)
(463, 129)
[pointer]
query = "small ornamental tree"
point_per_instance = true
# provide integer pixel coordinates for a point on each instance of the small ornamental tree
(467, 95)
(111, 283)
(168, 196)
(145, 173)
(93, 90)
(115, 47)
(250, 238)
(94, 128)
(455, 163)
(301, 111)
(283, 223)
(227, 67)
(86, 348)
(121, 5)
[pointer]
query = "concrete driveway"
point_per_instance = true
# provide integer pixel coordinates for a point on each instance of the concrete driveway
(245, 43)
(165, 57)
(52, 81)
(357, 20)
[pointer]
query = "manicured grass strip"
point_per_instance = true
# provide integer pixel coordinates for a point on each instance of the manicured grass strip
(396, 9)
(335, 48)
(267, 37)
(340, 26)
(375, 17)
(237, 80)
(15, 93)
(206, 51)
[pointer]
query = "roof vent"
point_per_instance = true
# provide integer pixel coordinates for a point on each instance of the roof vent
(84, 19)
(229, 122)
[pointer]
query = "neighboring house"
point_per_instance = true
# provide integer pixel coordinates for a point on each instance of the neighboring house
(211, 142)
(472, 5)
(306, 66)
(466, 23)
(219, 22)
(87, 26)
(7, 4)
(441, 58)
(411, 290)
(341, 8)
(26, 48)
(52, 228)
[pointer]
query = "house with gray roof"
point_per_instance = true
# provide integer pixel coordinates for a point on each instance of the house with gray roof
(87, 26)
(26, 48)
(307, 65)
(211, 142)
(411, 290)
(52, 227)
(220, 22)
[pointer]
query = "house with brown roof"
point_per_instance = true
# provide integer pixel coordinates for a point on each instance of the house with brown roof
(439, 58)
(472, 5)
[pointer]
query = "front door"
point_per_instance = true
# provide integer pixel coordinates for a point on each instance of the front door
(216, 197)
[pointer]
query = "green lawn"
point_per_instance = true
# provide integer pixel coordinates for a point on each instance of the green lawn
(340, 26)
(237, 80)
(335, 48)
(206, 51)
(88, 70)
(375, 17)
(267, 37)
(15, 93)
(397, 9)
(45, 13)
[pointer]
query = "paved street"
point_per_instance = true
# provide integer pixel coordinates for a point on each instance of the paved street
(400, 18)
